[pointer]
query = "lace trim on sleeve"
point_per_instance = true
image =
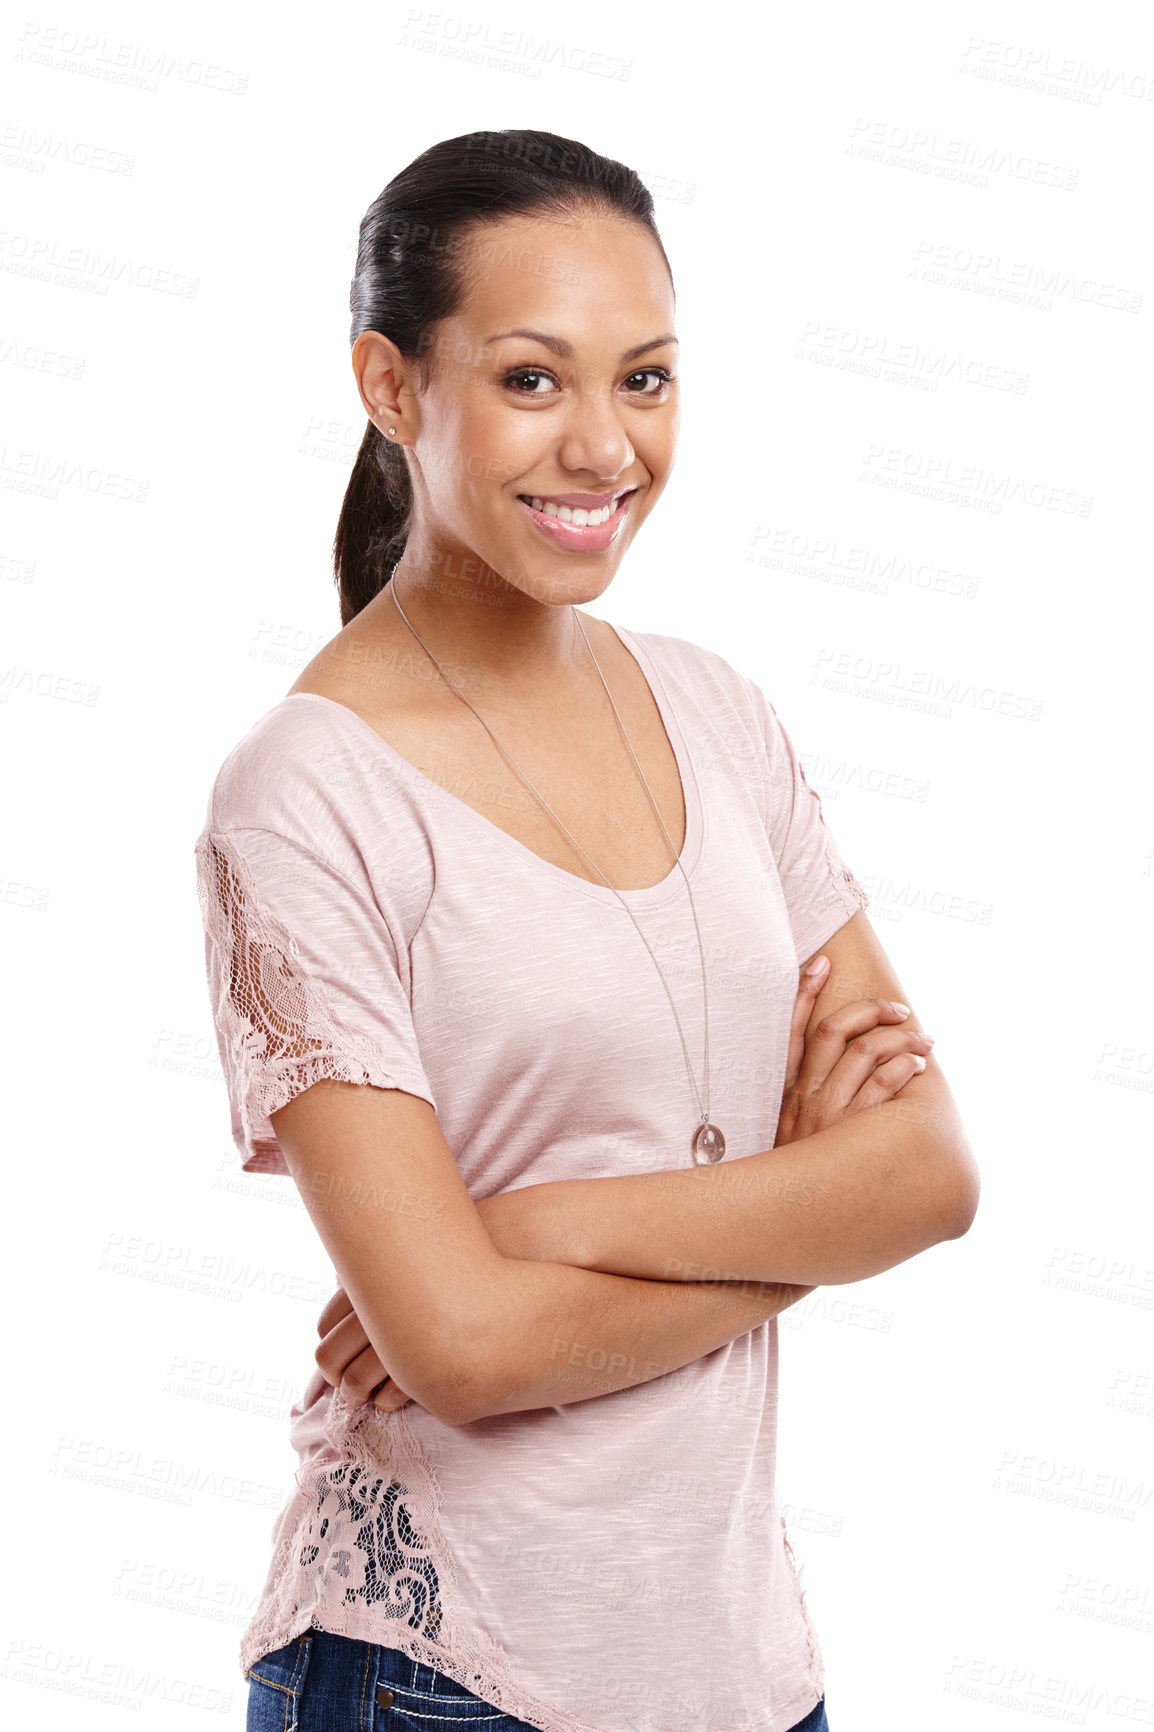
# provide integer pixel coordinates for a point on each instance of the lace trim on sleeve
(847, 885)
(277, 1033)
(834, 892)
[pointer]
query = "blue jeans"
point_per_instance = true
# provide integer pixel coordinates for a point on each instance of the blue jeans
(323, 1683)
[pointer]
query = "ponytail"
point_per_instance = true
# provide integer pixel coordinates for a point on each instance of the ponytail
(374, 522)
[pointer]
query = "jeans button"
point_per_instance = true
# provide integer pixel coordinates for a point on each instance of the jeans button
(384, 1698)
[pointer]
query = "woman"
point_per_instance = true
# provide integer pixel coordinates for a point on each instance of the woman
(504, 910)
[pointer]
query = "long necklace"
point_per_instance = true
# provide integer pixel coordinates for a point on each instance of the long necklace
(708, 1144)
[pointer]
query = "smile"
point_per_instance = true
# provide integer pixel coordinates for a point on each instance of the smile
(576, 519)
(581, 515)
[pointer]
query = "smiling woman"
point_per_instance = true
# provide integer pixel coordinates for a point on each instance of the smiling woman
(509, 417)
(501, 902)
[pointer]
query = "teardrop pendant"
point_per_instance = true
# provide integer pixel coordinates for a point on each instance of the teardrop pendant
(708, 1144)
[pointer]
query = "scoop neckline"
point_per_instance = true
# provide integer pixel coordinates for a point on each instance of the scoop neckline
(691, 849)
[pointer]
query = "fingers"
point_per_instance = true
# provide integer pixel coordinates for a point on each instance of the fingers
(390, 1398)
(365, 1374)
(827, 1041)
(888, 1079)
(348, 1361)
(340, 1305)
(340, 1347)
(808, 993)
(866, 1054)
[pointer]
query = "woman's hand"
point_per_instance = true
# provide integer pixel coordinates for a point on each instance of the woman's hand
(347, 1360)
(849, 1062)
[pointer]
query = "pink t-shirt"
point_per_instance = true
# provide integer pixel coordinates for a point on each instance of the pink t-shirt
(617, 1564)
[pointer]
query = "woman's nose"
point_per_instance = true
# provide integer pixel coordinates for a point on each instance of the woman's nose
(595, 441)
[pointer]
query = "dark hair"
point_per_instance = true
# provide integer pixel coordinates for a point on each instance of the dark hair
(410, 274)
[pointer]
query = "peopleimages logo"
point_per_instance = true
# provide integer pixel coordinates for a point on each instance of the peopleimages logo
(1036, 68)
(477, 40)
(937, 474)
(892, 682)
(162, 1479)
(118, 62)
(962, 159)
(211, 1273)
(945, 263)
(116, 1683)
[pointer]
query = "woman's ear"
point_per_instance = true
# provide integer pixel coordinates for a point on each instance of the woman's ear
(382, 373)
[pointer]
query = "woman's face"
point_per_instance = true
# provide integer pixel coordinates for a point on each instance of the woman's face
(550, 397)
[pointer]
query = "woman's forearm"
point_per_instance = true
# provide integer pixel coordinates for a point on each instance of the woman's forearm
(840, 1205)
(466, 1330)
(565, 1334)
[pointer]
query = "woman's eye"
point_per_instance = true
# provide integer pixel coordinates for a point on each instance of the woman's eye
(534, 373)
(662, 377)
(536, 382)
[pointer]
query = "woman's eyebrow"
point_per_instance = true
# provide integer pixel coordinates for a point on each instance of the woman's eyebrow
(560, 347)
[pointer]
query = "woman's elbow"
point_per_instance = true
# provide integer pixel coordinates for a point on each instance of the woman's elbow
(961, 1191)
(943, 1169)
(451, 1407)
(460, 1396)
(469, 1376)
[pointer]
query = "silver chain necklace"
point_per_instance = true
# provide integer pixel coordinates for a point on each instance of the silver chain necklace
(708, 1144)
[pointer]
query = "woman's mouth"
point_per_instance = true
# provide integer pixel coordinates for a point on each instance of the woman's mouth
(586, 521)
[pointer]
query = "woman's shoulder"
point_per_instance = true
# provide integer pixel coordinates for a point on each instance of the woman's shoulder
(309, 769)
(704, 675)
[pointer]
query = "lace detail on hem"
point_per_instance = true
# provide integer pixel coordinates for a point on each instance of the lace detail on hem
(816, 1660)
(277, 1033)
(375, 1513)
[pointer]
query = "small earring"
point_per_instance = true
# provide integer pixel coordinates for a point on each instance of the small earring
(392, 429)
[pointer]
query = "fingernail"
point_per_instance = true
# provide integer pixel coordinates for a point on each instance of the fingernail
(928, 1037)
(902, 1009)
(919, 1062)
(818, 964)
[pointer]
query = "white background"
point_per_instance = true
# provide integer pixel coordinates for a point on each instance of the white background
(912, 252)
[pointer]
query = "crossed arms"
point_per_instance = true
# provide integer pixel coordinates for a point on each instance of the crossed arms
(474, 1308)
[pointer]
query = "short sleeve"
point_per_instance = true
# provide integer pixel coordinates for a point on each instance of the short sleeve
(307, 978)
(821, 892)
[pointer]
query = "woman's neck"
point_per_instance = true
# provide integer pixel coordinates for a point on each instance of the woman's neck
(477, 621)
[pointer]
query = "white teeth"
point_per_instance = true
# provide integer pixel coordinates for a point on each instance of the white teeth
(581, 519)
